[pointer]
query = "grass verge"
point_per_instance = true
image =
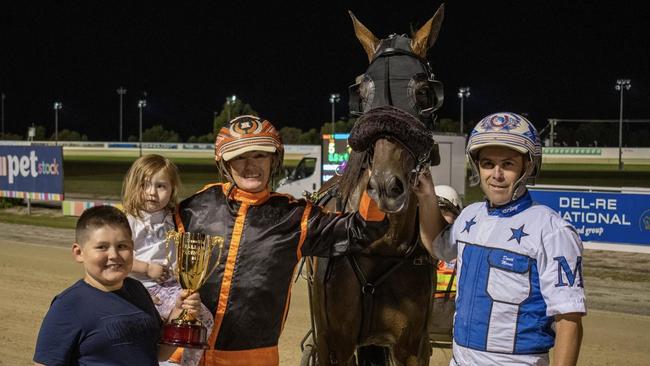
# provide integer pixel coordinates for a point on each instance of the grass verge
(60, 222)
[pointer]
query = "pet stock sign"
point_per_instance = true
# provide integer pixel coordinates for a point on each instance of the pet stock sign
(613, 217)
(34, 172)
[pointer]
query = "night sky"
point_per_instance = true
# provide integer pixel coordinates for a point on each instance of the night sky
(548, 59)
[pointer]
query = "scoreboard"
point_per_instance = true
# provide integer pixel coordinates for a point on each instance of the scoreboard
(336, 151)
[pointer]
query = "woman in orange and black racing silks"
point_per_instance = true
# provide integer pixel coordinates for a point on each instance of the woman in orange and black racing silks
(266, 234)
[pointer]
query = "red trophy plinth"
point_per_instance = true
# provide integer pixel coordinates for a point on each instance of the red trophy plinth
(185, 334)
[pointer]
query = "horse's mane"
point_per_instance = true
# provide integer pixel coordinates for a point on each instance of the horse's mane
(352, 174)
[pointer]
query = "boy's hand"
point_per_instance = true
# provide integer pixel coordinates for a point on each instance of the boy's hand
(191, 303)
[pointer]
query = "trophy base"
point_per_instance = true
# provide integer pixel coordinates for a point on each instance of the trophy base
(185, 335)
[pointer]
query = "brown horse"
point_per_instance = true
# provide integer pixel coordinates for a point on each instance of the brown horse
(382, 295)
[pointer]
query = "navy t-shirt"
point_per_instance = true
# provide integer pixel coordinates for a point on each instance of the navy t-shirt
(87, 326)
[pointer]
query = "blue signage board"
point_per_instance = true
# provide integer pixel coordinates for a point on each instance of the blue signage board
(34, 172)
(602, 216)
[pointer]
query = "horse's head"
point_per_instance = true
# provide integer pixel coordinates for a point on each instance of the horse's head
(399, 74)
(394, 146)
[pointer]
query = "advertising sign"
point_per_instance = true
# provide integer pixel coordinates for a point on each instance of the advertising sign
(602, 216)
(34, 172)
(335, 152)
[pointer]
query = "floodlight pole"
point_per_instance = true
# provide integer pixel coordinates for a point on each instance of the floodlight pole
(121, 91)
(463, 93)
(552, 122)
(621, 84)
(57, 107)
(141, 104)
(334, 98)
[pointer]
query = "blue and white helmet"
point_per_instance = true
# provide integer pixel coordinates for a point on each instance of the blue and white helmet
(512, 131)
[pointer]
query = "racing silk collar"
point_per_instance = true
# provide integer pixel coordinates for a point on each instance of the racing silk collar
(246, 197)
(512, 208)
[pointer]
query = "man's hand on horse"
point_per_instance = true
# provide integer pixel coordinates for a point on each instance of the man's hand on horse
(424, 188)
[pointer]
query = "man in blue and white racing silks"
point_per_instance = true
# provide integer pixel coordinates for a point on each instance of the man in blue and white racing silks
(520, 285)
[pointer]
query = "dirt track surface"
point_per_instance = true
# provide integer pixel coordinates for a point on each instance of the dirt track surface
(36, 264)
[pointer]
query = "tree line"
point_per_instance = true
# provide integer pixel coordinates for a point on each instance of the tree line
(585, 134)
(158, 133)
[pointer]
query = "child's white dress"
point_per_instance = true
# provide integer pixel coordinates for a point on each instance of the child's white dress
(149, 238)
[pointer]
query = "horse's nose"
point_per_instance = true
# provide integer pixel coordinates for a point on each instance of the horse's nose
(388, 186)
(388, 191)
(373, 187)
(394, 187)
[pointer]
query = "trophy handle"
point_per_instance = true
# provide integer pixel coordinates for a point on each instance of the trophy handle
(172, 235)
(215, 241)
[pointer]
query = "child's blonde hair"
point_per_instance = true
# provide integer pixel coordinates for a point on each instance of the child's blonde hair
(142, 170)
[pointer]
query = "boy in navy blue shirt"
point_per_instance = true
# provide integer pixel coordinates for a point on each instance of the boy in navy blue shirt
(106, 318)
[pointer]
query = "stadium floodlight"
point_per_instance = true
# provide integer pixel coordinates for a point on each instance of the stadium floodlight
(621, 84)
(57, 107)
(463, 92)
(141, 104)
(334, 98)
(229, 102)
(121, 91)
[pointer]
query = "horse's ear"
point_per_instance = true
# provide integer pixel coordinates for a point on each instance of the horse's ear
(365, 36)
(426, 36)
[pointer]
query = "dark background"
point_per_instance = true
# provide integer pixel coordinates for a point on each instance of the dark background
(546, 59)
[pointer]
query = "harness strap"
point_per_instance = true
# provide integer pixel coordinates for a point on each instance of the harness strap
(368, 288)
(332, 192)
(325, 197)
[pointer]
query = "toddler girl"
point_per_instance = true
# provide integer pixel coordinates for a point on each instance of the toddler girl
(149, 196)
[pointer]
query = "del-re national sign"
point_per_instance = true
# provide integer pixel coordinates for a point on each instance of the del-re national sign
(612, 217)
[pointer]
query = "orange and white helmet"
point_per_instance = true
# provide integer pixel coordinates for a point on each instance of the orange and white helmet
(244, 134)
(508, 130)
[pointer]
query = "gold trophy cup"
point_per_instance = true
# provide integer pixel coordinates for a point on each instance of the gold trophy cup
(193, 256)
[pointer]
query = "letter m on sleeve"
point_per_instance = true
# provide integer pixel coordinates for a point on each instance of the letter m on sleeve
(571, 275)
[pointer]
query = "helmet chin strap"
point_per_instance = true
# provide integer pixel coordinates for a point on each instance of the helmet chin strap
(520, 184)
(222, 167)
